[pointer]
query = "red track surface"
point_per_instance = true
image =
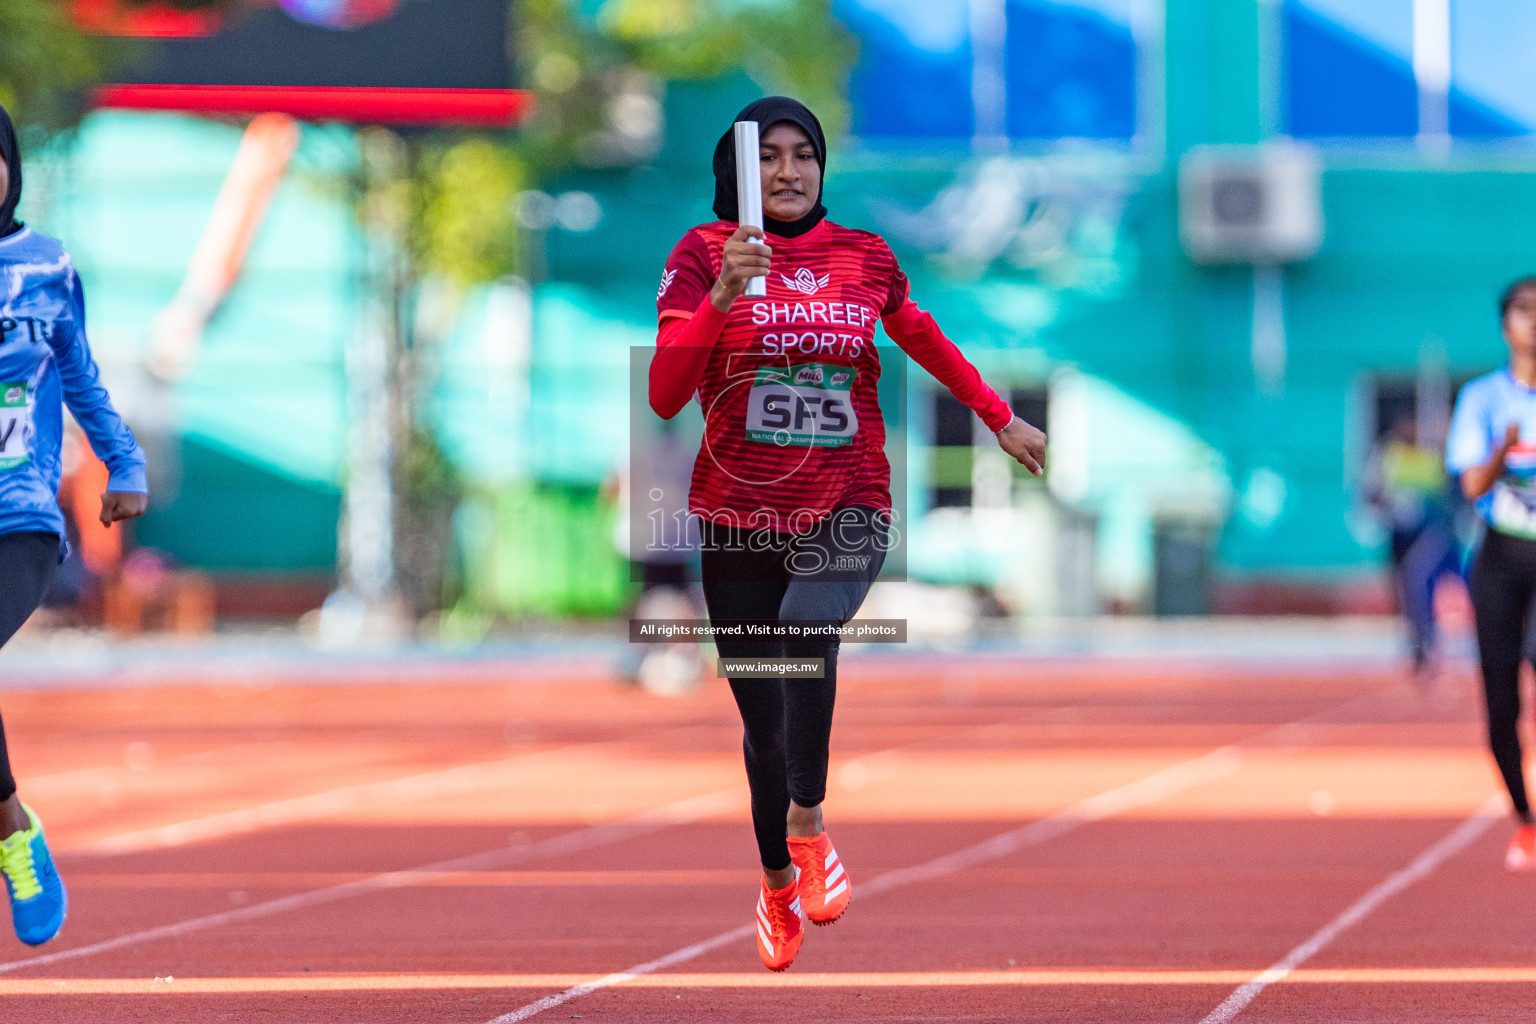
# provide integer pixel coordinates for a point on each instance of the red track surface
(601, 829)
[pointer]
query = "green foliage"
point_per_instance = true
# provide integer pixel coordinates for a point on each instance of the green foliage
(592, 76)
(571, 69)
(47, 64)
(598, 84)
(427, 489)
(464, 222)
(789, 46)
(44, 63)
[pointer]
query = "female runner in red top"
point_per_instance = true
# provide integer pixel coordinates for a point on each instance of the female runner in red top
(792, 483)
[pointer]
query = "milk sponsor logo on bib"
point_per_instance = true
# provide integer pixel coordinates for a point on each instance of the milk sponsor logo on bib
(1514, 494)
(15, 426)
(809, 405)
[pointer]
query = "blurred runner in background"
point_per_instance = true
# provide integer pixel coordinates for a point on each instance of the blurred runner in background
(45, 364)
(660, 540)
(1406, 483)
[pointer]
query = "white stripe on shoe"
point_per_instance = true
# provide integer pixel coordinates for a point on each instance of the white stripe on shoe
(831, 859)
(762, 936)
(837, 873)
(833, 892)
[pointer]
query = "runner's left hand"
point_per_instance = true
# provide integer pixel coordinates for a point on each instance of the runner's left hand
(117, 505)
(1025, 443)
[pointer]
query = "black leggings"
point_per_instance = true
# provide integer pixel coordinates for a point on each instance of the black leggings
(820, 577)
(27, 564)
(1502, 582)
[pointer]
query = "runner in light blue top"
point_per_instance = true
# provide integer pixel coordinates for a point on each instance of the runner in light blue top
(45, 364)
(1486, 410)
(1491, 447)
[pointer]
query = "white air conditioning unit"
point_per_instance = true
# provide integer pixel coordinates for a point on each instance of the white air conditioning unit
(1251, 204)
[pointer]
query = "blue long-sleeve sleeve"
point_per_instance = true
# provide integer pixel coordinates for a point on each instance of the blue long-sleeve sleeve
(87, 398)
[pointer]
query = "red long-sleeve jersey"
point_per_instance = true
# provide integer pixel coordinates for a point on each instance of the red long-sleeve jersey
(793, 428)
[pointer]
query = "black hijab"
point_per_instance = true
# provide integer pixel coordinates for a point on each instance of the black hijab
(767, 112)
(12, 151)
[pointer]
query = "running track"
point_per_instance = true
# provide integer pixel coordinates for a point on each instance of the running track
(1029, 841)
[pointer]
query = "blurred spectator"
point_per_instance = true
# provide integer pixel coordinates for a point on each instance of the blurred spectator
(660, 541)
(148, 591)
(1406, 483)
(94, 550)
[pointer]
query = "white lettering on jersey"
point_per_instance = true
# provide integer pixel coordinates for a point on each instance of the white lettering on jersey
(849, 314)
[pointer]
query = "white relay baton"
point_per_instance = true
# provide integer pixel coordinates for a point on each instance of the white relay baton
(749, 191)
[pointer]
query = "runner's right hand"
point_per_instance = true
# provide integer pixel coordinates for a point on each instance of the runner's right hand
(1511, 438)
(119, 505)
(746, 256)
(1479, 480)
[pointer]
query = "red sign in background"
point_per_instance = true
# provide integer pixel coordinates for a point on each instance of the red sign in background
(407, 62)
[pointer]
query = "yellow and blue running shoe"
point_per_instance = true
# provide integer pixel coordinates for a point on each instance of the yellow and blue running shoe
(38, 899)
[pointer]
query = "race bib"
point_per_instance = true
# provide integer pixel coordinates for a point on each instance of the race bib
(809, 405)
(15, 426)
(1512, 513)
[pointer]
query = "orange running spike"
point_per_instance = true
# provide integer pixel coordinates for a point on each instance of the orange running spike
(779, 931)
(824, 884)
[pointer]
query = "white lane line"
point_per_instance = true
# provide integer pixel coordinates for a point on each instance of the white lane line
(1149, 790)
(681, 812)
(1157, 786)
(465, 778)
(301, 667)
(75, 781)
(1425, 864)
(462, 778)
(680, 956)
